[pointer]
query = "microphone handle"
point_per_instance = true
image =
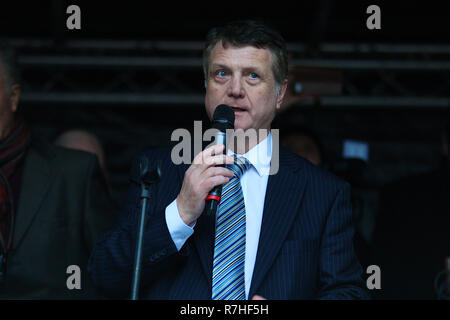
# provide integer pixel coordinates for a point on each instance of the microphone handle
(214, 196)
(211, 204)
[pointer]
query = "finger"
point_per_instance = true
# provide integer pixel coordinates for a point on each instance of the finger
(198, 159)
(214, 181)
(217, 160)
(217, 171)
(213, 160)
(256, 297)
(213, 150)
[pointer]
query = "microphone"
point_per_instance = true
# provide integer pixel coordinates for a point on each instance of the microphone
(223, 119)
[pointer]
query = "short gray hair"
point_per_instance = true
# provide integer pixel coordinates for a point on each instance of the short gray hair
(8, 60)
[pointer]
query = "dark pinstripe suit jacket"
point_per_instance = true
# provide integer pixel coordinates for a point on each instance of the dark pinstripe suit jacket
(305, 248)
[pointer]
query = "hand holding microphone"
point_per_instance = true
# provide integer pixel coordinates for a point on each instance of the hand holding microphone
(205, 172)
(223, 119)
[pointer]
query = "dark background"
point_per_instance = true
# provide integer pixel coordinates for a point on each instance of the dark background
(132, 75)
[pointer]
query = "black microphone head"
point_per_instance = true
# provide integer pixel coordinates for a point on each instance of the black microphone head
(223, 118)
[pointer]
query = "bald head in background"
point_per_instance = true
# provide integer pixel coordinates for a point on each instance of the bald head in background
(303, 142)
(84, 141)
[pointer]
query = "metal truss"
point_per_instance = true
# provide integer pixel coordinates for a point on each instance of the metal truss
(169, 72)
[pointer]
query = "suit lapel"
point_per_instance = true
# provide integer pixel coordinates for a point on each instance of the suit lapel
(283, 197)
(36, 179)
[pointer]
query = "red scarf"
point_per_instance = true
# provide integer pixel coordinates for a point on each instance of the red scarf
(12, 150)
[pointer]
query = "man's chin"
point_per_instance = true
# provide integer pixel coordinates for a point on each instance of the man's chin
(245, 127)
(241, 128)
(242, 123)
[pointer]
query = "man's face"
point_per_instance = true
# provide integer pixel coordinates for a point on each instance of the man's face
(8, 104)
(242, 78)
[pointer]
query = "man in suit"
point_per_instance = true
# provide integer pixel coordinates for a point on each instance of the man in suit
(53, 205)
(283, 236)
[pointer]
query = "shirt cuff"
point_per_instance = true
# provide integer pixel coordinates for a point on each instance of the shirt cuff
(179, 231)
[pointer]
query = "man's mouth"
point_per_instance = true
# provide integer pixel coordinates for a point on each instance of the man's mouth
(237, 109)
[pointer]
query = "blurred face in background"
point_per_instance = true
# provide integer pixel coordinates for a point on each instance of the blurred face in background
(305, 147)
(9, 99)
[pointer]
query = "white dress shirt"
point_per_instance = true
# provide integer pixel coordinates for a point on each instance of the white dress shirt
(254, 185)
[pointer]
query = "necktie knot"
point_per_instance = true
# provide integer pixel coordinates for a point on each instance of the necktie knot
(240, 165)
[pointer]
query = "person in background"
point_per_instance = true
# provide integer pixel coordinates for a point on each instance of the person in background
(53, 205)
(85, 141)
(303, 142)
(411, 238)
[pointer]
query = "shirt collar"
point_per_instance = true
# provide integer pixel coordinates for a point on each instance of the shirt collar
(259, 156)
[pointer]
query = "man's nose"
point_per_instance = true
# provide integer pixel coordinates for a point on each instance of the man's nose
(236, 88)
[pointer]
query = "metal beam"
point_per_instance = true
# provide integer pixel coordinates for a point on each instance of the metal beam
(112, 98)
(364, 102)
(374, 64)
(198, 99)
(180, 62)
(186, 46)
(105, 61)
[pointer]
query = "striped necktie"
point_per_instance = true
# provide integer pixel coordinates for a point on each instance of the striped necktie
(228, 281)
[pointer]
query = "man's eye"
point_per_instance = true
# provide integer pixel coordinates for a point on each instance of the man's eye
(253, 76)
(222, 73)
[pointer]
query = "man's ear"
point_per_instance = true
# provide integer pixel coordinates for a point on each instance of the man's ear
(15, 97)
(282, 93)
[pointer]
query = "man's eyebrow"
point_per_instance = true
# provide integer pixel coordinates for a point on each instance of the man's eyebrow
(253, 69)
(219, 66)
(245, 69)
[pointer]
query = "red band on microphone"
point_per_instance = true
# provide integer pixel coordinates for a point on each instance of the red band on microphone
(212, 197)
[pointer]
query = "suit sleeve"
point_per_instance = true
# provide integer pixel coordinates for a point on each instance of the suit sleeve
(111, 262)
(340, 271)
